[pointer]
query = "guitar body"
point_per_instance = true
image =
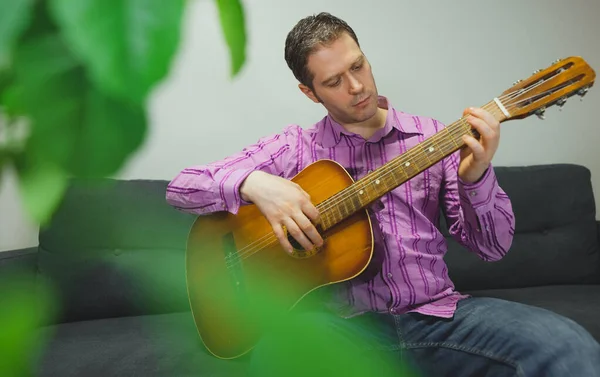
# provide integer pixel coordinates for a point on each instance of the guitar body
(239, 278)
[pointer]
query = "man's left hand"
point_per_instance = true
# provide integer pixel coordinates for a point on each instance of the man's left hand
(477, 155)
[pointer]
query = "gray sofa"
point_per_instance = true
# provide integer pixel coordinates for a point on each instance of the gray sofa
(114, 259)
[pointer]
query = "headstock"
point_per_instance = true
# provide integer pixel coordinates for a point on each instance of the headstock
(548, 87)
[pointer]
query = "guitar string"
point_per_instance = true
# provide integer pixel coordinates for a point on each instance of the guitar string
(456, 123)
(243, 253)
(332, 201)
(326, 205)
(270, 238)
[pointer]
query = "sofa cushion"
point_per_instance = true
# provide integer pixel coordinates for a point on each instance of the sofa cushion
(581, 303)
(556, 235)
(115, 248)
(154, 345)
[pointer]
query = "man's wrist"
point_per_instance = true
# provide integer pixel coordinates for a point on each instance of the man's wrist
(472, 178)
(245, 188)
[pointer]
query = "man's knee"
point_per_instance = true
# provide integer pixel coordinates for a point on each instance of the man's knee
(560, 344)
(551, 330)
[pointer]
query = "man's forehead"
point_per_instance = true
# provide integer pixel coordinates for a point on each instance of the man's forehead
(331, 61)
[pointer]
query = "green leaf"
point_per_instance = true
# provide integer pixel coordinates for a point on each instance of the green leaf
(42, 185)
(14, 18)
(126, 45)
(111, 131)
(75, 129)
(233, 24)
(46, 87)
(25, 305)
(5, 78)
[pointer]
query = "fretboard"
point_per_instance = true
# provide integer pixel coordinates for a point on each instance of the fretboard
(398, 170)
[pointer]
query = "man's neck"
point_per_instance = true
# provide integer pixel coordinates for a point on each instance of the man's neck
(367, 128)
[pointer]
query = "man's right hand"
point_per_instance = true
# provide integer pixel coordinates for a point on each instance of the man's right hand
(283, 203)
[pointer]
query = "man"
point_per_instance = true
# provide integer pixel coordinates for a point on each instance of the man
(410, 299)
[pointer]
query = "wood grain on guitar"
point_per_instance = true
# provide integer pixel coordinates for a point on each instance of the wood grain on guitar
(240, 280)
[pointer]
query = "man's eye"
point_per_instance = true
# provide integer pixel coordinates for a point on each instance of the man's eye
(336, 83)
(357, 67)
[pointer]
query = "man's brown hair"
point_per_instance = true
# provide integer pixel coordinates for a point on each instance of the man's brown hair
(307, 36)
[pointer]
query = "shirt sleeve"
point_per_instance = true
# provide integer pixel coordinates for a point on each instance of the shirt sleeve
(212, 187)
(479, 214)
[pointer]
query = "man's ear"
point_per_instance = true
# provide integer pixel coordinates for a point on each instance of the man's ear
(309, 93)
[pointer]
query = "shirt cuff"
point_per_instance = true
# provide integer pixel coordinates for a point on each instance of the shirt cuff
(229, 182)
(481, 193)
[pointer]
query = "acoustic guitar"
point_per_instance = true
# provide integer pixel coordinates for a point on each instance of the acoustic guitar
(240, 280)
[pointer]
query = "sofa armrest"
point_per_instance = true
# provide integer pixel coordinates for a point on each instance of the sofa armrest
(22, 262)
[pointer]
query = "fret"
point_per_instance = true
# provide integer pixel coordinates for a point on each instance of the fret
(361, 196)
(346, 208)
(364, 190)
(384, 182)
(444, 147)
(397, 170)
(420, 161)
(442, 143)
(356, 203)
(435, 149)
(337, 213)
(409, 168)
(466, 127)
(326, 221)
(451, 137)
(376, 185)
(389, 179)
(427, 150)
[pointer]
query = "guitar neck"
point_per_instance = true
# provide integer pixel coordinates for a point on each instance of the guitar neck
(398, 170)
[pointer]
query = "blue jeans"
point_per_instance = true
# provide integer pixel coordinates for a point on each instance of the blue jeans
(486, 337)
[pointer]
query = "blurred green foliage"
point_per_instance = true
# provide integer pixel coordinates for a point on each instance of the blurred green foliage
(75, 78)
(24, 305)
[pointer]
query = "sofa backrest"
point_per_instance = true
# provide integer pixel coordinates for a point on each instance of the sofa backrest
(556, 235)
(116, 248)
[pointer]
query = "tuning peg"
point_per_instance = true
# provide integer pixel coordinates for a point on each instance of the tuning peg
(537, 71)
(516, 82)
(582, 92)
(556, 61)
(540, 113)
(561, 102)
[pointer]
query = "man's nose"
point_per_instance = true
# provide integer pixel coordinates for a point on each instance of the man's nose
(355, 85)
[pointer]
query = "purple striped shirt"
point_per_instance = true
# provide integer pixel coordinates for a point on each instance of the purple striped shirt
(411, 272)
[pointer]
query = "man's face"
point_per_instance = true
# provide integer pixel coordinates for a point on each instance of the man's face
(343, 81)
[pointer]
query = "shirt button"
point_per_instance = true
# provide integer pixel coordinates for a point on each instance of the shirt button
(389, 275)
(369, 171)
(473, 193)
(393, 311)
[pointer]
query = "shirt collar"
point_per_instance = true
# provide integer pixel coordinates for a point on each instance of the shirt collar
(329, 132)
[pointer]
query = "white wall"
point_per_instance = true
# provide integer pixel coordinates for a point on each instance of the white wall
(429, 57)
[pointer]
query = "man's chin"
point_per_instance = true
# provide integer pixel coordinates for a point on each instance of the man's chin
(363, 118)
(368, 112)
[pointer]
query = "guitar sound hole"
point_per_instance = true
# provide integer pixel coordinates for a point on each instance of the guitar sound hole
(295, 244)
